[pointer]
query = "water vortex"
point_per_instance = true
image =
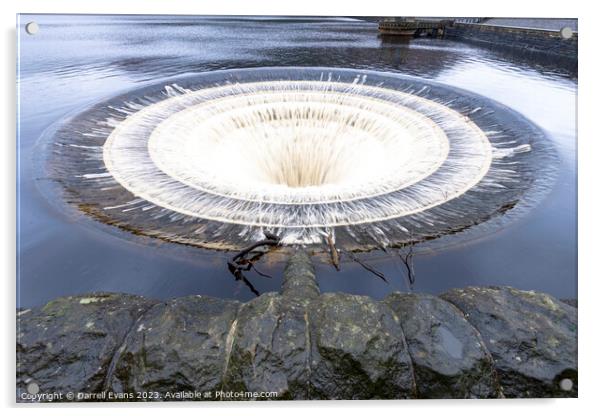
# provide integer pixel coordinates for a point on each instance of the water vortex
(375, 159)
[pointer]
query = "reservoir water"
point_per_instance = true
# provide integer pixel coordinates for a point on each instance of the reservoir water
(74, 61)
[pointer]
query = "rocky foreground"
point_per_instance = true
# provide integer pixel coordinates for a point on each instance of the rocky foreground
(477, 342)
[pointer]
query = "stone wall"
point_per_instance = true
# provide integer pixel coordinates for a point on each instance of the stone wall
(523, 39)
(476, 342)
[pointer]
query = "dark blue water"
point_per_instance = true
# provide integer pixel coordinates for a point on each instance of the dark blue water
(76, 60)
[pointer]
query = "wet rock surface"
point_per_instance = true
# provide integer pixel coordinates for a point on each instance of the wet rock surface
(69, 344)
(300, 344)
(175, 346)
(531, 336)
(445, 364)
(358, 350)
(269, 349)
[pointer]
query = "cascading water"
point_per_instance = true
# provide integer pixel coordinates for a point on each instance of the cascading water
(374, 159)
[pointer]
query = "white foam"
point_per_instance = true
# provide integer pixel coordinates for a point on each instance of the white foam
(296, 154)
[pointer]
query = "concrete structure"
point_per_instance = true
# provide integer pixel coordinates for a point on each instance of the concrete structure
(527, 35)
(411, 27)
(544, 41)
(530, 23)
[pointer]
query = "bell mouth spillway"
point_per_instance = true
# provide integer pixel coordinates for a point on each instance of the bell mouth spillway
(295, 142)
(376, 159)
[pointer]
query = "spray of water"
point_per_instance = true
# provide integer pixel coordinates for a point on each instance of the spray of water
(370, 158)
